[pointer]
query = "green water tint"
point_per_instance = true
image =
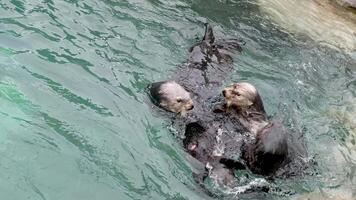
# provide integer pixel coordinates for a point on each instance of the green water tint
(6, 51)
(76, 122)
(10, 94)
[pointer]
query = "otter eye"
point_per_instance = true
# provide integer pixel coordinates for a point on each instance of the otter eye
(179, 100)
(237, 93)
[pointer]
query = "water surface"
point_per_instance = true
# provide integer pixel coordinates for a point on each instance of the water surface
(76, 123)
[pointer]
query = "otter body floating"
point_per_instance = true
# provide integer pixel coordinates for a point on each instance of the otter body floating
(209, 62)
(270, 150)
(217, 141)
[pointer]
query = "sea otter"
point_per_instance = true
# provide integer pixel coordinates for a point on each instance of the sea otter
(213, 140)
(227, 141)
(270, 150)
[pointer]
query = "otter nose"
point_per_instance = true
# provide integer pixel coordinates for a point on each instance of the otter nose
(224, 93)
(191, 107)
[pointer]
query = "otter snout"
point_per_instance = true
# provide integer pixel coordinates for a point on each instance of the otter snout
(228, 97)
(188, 105)
(224, 92)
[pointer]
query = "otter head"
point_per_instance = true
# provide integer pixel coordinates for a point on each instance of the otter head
(243, 96)
(172, 97)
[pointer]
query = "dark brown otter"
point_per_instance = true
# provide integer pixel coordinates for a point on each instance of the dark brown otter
(238, 138)
(208, 64)
(219, 141)
(270, 150)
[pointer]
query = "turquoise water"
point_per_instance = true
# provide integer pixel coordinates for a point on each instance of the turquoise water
(75, 122)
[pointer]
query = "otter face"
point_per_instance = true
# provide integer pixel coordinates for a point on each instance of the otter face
(240, 95)
(172, 97)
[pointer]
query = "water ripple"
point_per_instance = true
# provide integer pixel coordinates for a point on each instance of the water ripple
(75, 118)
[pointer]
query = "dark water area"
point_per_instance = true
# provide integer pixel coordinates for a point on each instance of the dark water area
(76, 123)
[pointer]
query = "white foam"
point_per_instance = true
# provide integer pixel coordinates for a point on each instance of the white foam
(219, 148)
(256, 183)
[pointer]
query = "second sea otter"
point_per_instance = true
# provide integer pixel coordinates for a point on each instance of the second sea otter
(271, 149)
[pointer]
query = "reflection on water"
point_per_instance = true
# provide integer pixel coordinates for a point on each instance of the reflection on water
(74, 117)
(345, 116)
(332, 194)
(323, 21)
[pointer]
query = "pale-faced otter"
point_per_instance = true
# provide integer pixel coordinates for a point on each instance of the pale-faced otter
(171, 96)
(270, 150)
(244, 99)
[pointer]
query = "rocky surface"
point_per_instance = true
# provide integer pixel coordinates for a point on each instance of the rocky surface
(347, 3)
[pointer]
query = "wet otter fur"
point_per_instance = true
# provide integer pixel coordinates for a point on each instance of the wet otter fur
(247, 103)
(171, 96)
(209, 63)
(269, 152)
(241, 136)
